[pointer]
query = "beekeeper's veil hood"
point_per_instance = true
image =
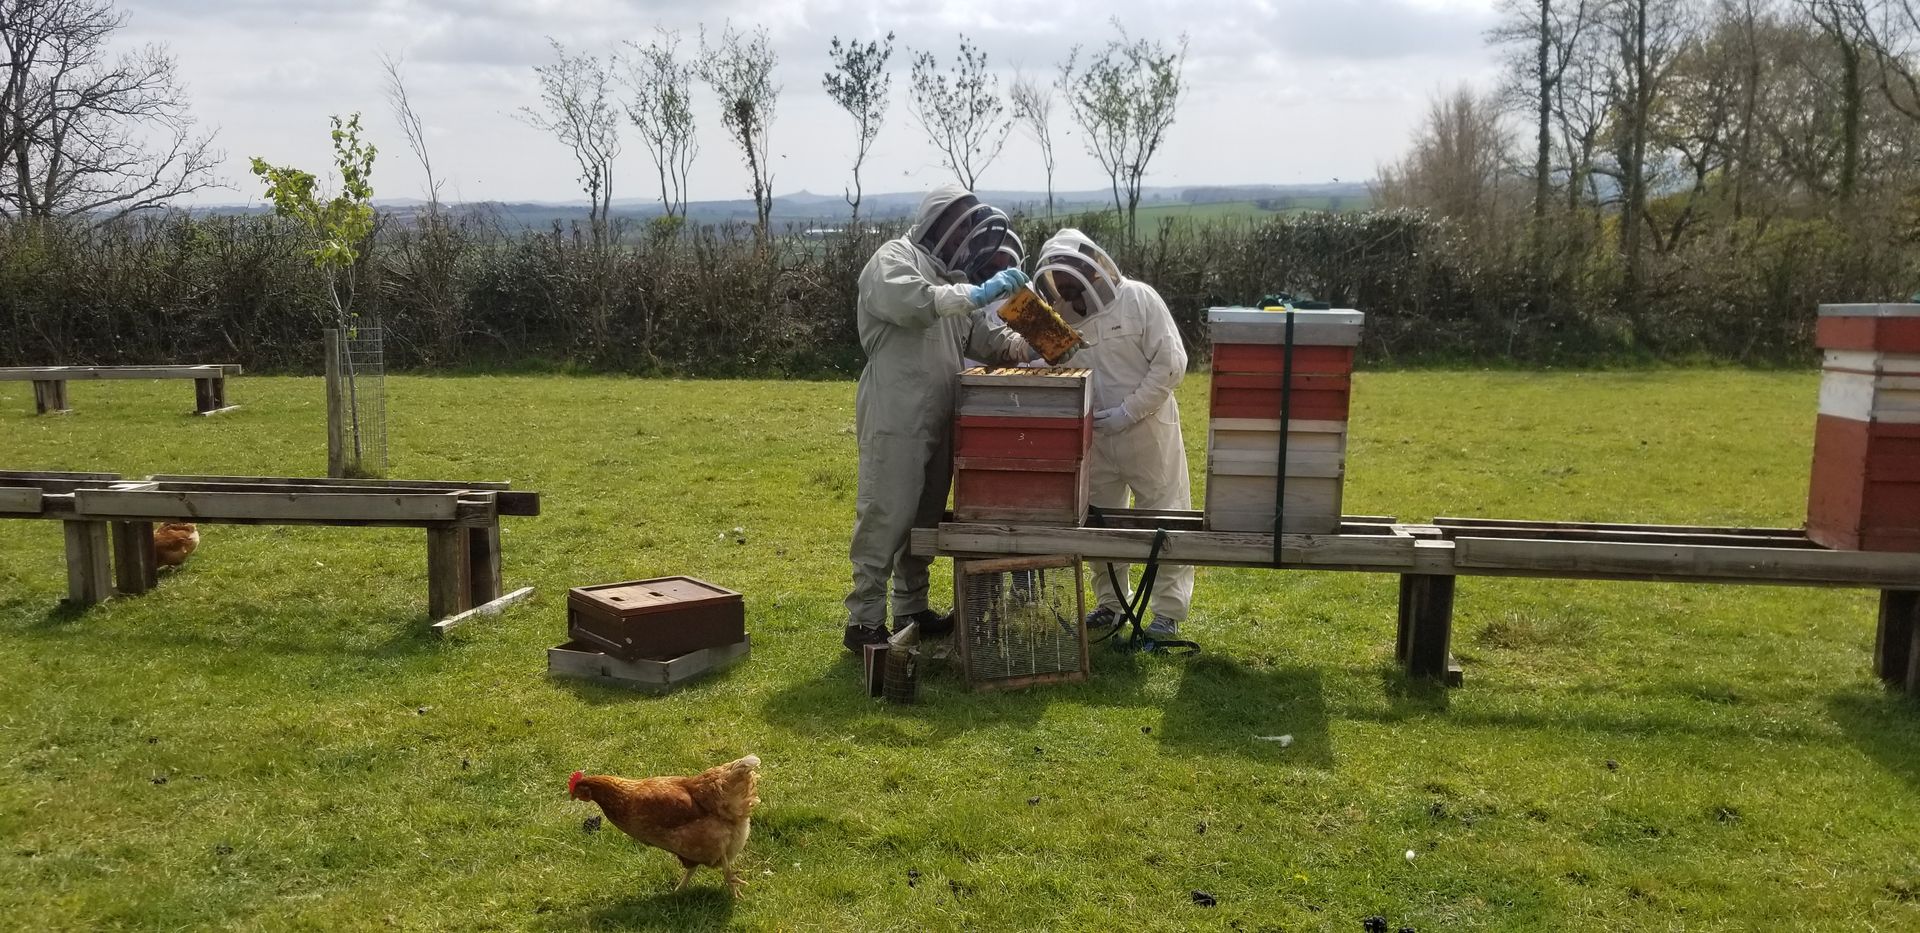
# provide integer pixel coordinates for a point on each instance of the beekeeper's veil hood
(947, 216)
(1071, 263)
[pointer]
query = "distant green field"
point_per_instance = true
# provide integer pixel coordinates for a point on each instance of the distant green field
(1153, 217)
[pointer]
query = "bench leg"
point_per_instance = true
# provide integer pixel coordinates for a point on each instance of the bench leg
(483, 562)
(89, 568)
(210, 395)
(50, 396)
(1896, 645)
(1426, 612)
(135, 569)
(1403, 636)
(449, 571)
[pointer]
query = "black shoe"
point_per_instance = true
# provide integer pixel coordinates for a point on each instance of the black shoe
(932, 624)
(858, 637)
(1102, 619)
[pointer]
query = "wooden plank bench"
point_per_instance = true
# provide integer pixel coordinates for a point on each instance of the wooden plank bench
(1429, 557)
(109, 522)
(50, 382)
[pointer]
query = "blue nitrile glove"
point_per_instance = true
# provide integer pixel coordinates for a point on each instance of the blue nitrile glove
(1116, 418)
(998, 287)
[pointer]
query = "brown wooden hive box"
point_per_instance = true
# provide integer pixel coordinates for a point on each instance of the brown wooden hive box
(656, 620)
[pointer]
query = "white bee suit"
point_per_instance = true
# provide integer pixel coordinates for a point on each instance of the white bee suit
(917, 322)
(1138, 359)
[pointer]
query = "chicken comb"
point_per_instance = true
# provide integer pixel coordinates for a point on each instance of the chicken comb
(574, 782)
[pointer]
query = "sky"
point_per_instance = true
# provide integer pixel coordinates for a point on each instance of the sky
(1279, 91)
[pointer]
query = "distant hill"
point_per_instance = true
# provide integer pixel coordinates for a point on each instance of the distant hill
(807, 209)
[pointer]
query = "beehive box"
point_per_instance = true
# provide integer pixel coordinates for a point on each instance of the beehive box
(1248, 407)
(1243, 467)
(1020, 446)
(657, 619)
(1864, 492)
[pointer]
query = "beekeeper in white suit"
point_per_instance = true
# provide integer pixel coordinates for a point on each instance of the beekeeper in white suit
(919, 316)
(1137, 359)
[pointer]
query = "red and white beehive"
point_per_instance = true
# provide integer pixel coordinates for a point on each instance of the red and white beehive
(1020, 446)
(1865, 493)
(1245, 418)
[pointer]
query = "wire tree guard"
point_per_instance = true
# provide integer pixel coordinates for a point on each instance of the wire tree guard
(357, 401)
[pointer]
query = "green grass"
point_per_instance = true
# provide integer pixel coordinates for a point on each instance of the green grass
(327, 764)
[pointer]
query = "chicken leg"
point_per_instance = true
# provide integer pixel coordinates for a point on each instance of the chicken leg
(734, 881)
(686, 877)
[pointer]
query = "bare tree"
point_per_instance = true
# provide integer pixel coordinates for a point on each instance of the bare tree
(1583, 104)
(740, 71)
(1694, 128)
(1841, 23)
(1033, 112)
(577, 109)
(1541, 37)
(1454, 166)
(1647, 36)
(961, 112)
(859, 83)
(1125, 100)
(661, 108)
(85, 132)
(411, 127)
(1892, 30)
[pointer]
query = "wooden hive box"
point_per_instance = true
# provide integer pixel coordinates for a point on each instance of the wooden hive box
(656, 620)
(1020, 446)
(1242, 475)
(1250, 366)
(1864, 489)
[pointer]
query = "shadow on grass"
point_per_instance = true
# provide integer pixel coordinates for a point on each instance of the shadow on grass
(1226, 708)
(406, 632)
(834, 702)
(706, 904)
(1881, 723)
(61, 615)
(1411, 697)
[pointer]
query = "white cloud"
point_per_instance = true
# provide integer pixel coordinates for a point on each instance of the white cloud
(1282, 90)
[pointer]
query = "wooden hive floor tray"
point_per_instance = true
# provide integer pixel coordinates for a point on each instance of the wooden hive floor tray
(581, 661)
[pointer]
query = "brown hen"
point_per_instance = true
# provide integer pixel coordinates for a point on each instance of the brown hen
(703, 820)
(173, 541)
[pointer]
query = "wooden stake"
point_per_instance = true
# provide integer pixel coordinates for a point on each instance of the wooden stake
(336, 417)
(89, 569)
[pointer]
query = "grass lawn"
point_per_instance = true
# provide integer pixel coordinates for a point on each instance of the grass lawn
(271, 740)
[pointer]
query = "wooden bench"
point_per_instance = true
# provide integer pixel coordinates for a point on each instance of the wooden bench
(109, 523)
(50, 382)
(1428, 557)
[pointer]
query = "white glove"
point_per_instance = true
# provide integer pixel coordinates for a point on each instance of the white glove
(1117, 418)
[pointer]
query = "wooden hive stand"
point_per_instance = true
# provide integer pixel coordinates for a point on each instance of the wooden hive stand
(50, 383)
(109, 524)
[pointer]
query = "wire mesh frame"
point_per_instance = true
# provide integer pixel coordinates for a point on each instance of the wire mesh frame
(365, 403)
(1020, 621)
